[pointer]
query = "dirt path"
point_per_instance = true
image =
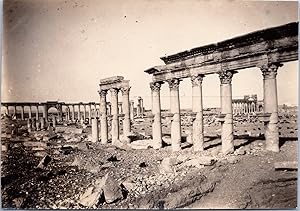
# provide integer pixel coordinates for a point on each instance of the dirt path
(253, 182)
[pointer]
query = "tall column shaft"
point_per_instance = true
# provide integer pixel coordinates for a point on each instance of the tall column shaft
(68, 113)
(37, 113)
(126, 111)
(103, 117)
(115, 115)
(156, 111)
(197, 106)
(142, 107)
(95, 130)
(7, 111)
(22, 112)
(138, 108)
(45, 113)
(90, 113)
(73, 113)
(226, 109)
(175, 110)
(29, 112)
(84, 112)
(79, 113)
(271, 106)
(131, 109)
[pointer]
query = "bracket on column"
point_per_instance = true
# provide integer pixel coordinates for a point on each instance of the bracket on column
(221, 117)
(265, 117)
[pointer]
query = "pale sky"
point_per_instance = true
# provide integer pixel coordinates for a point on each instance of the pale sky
(60, 49)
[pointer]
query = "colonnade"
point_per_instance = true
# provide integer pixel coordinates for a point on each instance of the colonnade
(244, 107)
(22, 111)
(113, 85)
(269, 73)
(115, 115)
(84, 111)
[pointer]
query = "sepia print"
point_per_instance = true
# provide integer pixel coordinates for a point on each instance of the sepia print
(126, 104)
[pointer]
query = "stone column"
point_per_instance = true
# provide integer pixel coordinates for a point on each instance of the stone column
(54, 122)
(142, 107)
(103, 117)
(79, 115)
(269, 73)
(29, 125)
(90, 113)
(197, 106)
(126, 112)
(175, 110)
(45, 113)
(22, 113)
(95, 130)
(73, 113)
(37, 123)
(37, 113)
(156, 111)
(42, 120)
(84, 112)
(115, 115)
(6, 108)
(33, 124)
(29, 112)
(226, 109)
(138, 107)
(68, 114)
(131, 109)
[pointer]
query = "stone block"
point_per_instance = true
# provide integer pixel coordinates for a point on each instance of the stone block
(168, 165)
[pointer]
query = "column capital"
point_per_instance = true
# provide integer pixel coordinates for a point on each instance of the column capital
(125, 90)
(197, 80)
(174, 83)
(155, 86)
(114, 91)
(102, 92)
(226, 76)
(269, 71)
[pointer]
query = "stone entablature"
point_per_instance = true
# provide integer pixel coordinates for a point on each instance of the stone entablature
(274, 45)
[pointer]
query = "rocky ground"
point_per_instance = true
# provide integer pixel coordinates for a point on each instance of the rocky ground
(64, 169)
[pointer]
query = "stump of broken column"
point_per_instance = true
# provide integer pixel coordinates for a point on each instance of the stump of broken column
(95, 130)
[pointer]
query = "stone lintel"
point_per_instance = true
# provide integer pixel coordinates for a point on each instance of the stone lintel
(111, 80)
(236, 63)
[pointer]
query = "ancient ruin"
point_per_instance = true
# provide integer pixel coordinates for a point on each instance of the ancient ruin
(266, 49)
(137, 151)
(114, 85)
